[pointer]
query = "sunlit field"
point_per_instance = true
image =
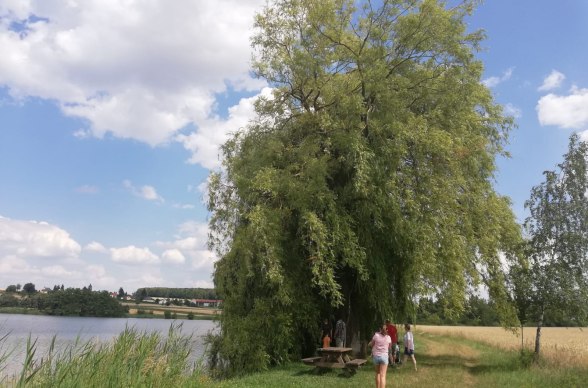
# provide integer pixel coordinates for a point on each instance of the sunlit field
(559, 345)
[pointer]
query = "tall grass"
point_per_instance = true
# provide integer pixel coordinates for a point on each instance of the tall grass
(133, 359)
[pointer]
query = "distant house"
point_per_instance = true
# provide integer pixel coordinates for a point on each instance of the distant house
(46, 290)
(206, 302)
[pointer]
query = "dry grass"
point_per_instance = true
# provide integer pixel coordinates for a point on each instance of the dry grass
(559, 345)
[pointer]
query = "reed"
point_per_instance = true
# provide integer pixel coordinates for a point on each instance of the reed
(133, 359)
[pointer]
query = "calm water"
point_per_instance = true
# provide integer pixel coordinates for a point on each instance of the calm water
(18, 327)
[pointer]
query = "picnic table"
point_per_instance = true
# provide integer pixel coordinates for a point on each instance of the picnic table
(336, 358)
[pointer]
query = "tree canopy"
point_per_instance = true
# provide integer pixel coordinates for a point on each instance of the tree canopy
(181, 293)
(365, 181)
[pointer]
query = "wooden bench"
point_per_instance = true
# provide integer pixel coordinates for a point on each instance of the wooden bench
(356, 363)
(310, 360)
(351, 366)
(331, 365)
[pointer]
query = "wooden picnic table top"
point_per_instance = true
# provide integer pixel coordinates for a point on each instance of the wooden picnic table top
(333, 349)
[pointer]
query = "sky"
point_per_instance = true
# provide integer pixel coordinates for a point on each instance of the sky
(112, 113)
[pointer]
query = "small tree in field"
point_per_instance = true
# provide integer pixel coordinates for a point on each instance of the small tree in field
(558, 242)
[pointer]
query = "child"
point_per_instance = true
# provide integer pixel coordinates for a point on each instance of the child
(409, 345)
(396, 354)
(326, 341)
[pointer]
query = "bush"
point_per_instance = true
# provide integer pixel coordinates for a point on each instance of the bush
(167, 314)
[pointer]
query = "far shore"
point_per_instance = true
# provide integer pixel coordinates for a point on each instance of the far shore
(142, 310)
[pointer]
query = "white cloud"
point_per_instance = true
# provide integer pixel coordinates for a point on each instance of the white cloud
(173, 256)
(26, 239)
(186, 206)
(203, 259)
(583, 135)
(569, 111)
(195, 229)
(203, 284)
(512, 110)
(494, 81)
(15, 265)
(95, 247)
(136, 70)
(191, 242)
(146, 192)
(133, 255)
(204, 144)
(149, 193)
(87, 189)
(58, 271)
(552, 81)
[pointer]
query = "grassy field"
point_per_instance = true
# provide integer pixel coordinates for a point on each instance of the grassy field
(443, 361)
(149, 360)
(560, 346)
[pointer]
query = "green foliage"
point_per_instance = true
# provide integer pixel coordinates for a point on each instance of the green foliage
(364, 182)
(72, 301)
(477, 312)
(8, 300)
(11, 288)
(557, 277)
(167, 314)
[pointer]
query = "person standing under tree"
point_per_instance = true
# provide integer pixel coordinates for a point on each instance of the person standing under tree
(326, 330)
(393, 333)
(409, 345)
(380, 345)
(340, 333)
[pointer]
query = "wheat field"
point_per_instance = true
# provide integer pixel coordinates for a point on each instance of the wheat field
(559, 345)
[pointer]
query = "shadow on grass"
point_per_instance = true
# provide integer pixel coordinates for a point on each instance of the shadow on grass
(341, 373)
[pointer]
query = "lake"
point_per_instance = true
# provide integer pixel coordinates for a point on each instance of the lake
(18, 328)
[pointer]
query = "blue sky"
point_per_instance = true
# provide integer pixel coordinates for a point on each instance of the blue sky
(111, 116)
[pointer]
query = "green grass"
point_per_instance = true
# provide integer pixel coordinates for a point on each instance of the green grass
(140, 359)
(477, 365)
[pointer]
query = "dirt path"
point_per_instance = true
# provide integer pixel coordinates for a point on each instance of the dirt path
(441, 363)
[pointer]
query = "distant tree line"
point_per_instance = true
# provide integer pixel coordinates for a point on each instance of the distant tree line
(477, 312)
(180, 293)
(70, 302)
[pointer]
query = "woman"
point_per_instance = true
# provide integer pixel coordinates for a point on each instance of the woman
(380, 345)
(409, 345)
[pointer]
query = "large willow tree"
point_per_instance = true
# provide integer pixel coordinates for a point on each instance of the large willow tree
(365, 182)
